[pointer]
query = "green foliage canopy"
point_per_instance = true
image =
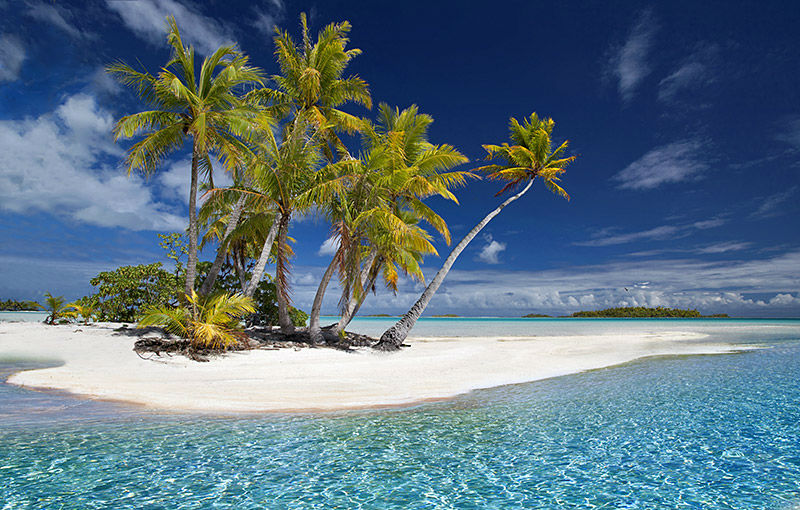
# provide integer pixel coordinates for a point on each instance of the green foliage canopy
(124, 292)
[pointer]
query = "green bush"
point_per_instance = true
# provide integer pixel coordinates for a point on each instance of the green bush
(122, 294)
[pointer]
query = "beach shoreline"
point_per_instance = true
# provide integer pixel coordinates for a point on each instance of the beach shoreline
(98, 363)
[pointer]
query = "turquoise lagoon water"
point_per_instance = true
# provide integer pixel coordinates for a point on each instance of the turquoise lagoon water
(22, 316)
(673, 432)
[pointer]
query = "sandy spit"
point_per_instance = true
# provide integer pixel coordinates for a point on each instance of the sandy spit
(97, 363)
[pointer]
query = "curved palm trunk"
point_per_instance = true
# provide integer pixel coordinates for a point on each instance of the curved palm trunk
(191, 264)
(258, 271)
(314, 331)
(233, 221)
(356, 306)
(368, 276)
(393, 337)
(281, 277)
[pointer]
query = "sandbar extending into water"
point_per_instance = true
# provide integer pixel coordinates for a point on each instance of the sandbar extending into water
(97, 363)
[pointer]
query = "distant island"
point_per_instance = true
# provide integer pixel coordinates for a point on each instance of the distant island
(12, 305)
(644, 312)
(446, 316)
(537, 316)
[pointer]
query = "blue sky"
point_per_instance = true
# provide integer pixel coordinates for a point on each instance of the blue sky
(685, 117)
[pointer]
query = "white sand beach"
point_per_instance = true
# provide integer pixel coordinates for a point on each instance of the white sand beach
(97, 363)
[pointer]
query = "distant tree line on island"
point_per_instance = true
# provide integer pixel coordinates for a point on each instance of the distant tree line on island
(639, 312)
(12, 305)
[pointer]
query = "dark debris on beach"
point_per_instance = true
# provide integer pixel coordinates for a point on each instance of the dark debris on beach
(154, 341)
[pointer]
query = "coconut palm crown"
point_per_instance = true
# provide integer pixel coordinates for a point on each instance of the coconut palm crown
(530, 156)
(202, 105)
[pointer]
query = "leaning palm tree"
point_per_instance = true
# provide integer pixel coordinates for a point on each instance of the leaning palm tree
(530, 156)
(202, 106)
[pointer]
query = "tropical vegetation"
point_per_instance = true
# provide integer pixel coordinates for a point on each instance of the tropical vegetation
(55, 307)
(294, 147)
(529, 156)
(645, 312)
(212, 322)
(12, 305)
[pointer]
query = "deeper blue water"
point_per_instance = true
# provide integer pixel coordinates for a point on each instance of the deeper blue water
(717, 431)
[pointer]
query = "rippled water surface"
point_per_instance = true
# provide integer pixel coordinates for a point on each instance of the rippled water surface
(678, 432)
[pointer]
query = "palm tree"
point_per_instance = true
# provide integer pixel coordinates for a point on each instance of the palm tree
(212, 322)
(530, 156)
(203, 107)
(312, 79)
(285, 175)
(399, 169)
(86, 309)
(56, 307)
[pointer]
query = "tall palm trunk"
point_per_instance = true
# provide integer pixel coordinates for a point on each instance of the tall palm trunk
(314, 331)
(356, 305)
(238, 264)
(393, 337)
(282, 275)
(191, 264)
(233, 221)
(367, 278)
(258, 271)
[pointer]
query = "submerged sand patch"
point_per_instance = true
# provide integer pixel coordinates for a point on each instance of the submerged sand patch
(100, 364)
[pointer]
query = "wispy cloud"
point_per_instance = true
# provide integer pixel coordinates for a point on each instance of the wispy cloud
(692, 73)
(147, 19)
(56, 163)
(724, 247)
(490, 253)
(55, 17)
(628, 64)
(790, 132)
(268, 16)
(675, 162)
(771, 205)
(660, 233)
(12, 54)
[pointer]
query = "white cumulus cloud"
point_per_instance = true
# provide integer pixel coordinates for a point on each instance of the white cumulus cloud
(58, 163)
(490, 253)
(329, 247)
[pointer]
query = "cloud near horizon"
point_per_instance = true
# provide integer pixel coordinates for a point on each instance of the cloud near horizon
(59, 163)
(756, 286)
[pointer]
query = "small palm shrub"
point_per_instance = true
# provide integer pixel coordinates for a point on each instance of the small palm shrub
(207, 321)
(56, 307)
(81, 309)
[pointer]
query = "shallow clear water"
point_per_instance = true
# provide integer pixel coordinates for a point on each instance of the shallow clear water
(677, 432)
(22, 316)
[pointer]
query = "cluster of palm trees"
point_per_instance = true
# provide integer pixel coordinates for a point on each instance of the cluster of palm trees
(280, 138)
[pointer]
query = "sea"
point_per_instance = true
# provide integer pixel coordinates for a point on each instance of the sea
(705, 432)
